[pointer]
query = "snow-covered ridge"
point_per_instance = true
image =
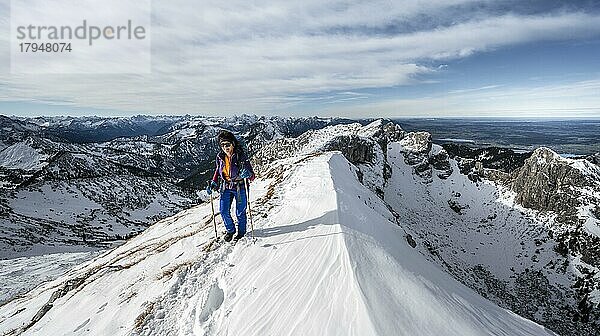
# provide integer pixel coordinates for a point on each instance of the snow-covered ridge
(20, 275)
(329, 259)
(364, 146)
(22, 156)
(314, 140)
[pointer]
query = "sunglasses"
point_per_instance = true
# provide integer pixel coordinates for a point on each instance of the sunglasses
(226, 144)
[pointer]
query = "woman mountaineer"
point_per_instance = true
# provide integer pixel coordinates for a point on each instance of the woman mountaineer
(232, 168)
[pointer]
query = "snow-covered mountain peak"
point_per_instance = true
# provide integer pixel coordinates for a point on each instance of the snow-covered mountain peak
(329, 259)
(424, 156)
(546, 174)
(545, 155)
(416, 142)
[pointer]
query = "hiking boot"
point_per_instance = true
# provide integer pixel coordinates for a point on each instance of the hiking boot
(238, 236)
(227, 237)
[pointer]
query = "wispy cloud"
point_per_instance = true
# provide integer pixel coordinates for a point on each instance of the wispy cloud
(487, 87)
(217, 57)
(573, 99)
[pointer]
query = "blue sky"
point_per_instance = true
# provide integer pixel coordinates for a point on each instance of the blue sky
(453, 58)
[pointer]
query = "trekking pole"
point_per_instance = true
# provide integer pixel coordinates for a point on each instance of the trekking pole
(248, 208)
(213, 212)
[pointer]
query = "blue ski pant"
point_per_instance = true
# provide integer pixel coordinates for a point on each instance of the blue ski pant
(227, 197)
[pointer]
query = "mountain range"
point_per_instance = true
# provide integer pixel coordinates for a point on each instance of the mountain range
(78, 184)
(360, 228)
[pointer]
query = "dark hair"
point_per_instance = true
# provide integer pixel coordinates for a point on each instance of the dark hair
(228, 136)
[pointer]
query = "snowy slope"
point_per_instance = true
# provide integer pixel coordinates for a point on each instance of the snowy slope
(22, 156)
(479, 230)
(83, 214)
(20, 275)
(329, 260)
(475, 231)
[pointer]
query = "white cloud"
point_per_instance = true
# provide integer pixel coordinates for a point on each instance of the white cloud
(264, 57)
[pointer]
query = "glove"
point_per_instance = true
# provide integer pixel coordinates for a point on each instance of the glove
(211, 186)
(244, 174)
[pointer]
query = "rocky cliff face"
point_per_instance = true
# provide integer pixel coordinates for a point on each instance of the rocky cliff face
(353, 147)
(568, 192)
(594, 158)
(424, 157)
(549, 182)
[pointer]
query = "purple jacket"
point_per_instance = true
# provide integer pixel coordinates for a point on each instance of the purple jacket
(239, 161)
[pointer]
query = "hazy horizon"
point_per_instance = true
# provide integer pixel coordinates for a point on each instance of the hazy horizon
(519, 118)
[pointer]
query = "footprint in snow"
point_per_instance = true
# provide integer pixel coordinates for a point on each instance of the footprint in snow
(213, 302)
(81, 325)
(101, 309)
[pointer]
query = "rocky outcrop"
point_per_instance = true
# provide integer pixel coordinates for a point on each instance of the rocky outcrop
(425, 157)
(353, 147)
(492, 163)
(385, 132)
(470, 168)
(550, 182)
(569, 189)
(594, 158)
(416, 143)
(440, 162)
(503, 159)
(415, 148)
(456, 207)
